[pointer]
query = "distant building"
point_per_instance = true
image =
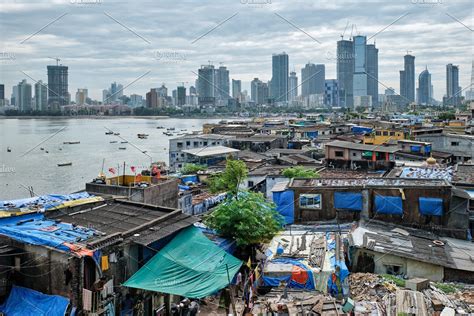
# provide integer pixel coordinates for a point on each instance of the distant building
(453, 91)
(223, 87)
(58, 93)
(207, 85)
(373, 73)
(331, 97)
(279, 82)
(2, 94)
(152, 99)
(236, 88)
(136, 101)
(24, 96)
(181, 95)
(345, 72)
(312, 79)
(407, 79)
(293, 86)
(41, 96)
(424, 88)
(14, 97)
(259, 91)
(81, 96)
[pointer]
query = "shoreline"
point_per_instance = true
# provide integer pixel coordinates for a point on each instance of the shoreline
(156, 117)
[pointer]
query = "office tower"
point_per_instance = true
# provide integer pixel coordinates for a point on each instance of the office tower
(373, 73)
(14, 97)
(424, 88)
(105, 96)
(162, 91)
(223, 86)
(292, 86)
(2, 94)
(453, 91)
(206, 85)
(24, 96)
(345, 72)
(279, 81)
(236, 88)
(57, 86)
(331, 96)
(181, 95)
(192, 90)
(360, 83)
(136, 100)
(41, 96)
(81, 96)
(407, 79)
(312, 79)
(259, 91)
(152, 98)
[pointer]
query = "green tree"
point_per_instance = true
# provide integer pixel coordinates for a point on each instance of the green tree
(191, 168)
(229, 180)
(299, 172)
(248, 220)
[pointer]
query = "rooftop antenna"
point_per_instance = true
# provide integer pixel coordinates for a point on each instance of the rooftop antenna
(342, 35)
(57, 60)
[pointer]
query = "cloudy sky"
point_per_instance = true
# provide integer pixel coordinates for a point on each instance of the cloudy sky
(142, 44)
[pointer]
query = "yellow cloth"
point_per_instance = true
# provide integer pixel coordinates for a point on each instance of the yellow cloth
(249, 263)
(257, 274)
(104, 263)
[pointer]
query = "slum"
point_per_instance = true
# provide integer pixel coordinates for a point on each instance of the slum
(382, 226)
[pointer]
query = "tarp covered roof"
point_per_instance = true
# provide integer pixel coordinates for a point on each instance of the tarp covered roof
(190, 265)
(23, 301)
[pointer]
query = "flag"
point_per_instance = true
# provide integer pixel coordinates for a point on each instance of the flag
(257, 274)
(112, 170)
(249, 263)
(133, 169)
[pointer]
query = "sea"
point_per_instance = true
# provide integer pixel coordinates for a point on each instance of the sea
(31, 149)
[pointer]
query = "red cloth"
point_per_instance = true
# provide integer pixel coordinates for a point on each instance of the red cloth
(299, 275)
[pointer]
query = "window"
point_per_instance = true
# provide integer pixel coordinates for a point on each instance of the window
(195, 144)
(393, 269)
(392, 133)
(205, 143)
(179, 145)
(339, 153)
(385, 133)
(250, 184)
(354, 154)
(378, 133)
(188, 143)
(454, 143)
(213, 143)
(310, 201)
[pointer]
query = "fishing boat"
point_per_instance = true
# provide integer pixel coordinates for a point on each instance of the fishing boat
(9, 150)
(124, 142)
(116, 134)
(64, 164)
(160, 127)
(71, 143)
(167, 134)
(109, 133)
(170, 128)
(142, 136)
(122, 148)
(41, 148)
(113, 142)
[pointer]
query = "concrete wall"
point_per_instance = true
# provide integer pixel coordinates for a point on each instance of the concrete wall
(463, 151)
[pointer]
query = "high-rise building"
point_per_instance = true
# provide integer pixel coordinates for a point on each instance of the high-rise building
(192, 90)
(181, 95)
(206, 85)
(14, 97)
(470, 92)
(135, 101)
(407, 79)
(293, 86)
(424, 95)
(162, 91)
(41, 96)
(81, 96)
(331, 96)
(24, 96)
(259, 91)
(279, 81)
(345, 72)
(236, 88)
(2, 94)
(223, 86)
(312, 79)
(360, 83)
(373, 73)
(57, 86)
(453, 91)
(152, 99)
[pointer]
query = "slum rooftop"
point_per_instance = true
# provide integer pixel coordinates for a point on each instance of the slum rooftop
(210, 151)
(370, 182)
(204, 136)
(356, 146)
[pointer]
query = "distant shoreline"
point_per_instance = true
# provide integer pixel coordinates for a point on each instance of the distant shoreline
(158, 117)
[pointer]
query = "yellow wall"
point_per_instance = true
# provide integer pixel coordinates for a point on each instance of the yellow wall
(380, 137)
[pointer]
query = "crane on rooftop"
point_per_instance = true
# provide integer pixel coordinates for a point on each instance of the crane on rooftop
(57, 60)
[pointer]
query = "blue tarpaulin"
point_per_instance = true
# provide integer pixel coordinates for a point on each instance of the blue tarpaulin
(430, 206)
(46, 201)
(23, 301)
(348, 201)
(388, 205)
(190, 178)
(360, 130)
(415, 148)
(284, 201)
(301, 276)
(35, 229)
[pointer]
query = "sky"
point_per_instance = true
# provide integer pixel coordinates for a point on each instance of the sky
(142, 44)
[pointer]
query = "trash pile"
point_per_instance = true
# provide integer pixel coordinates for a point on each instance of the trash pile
(378, 295)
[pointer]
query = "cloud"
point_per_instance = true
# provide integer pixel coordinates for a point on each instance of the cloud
(99, 49)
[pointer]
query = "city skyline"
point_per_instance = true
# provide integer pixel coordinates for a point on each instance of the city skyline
(124, 52)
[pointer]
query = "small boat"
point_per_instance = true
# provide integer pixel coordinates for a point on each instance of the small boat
(9, 150)
(167, 134)
(116, 134)
(71, 143)
(122, 148)
(47, 152)
(170, 128)
(142, 136)
(64, 164)
(109, 133)
(113, 142)
(159, 127)
(125, 142)
(41, 148)
(144, 151)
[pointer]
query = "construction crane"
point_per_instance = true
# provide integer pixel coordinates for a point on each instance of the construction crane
(342, 35)
(57, 60)
(408, 52)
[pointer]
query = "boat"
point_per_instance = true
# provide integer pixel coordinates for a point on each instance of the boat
(64, 164)
(113, 142)
(122, 148)
(47, 152)
(142, 136)
(109, 133)
(124, 142)
(170, 128)
(116, 134)
(9, 150)
(167, 134)
(159, 127)
(71, 143)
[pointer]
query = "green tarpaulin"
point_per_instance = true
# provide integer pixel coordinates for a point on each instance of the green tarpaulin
(190, 265)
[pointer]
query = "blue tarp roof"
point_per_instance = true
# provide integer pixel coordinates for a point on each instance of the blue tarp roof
(348, 201)
(285, 205)
(23, 301)
(35, 229)
(388, 205)
(44, 201)
(430, 206)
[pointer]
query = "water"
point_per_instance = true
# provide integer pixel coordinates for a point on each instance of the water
(23, 167)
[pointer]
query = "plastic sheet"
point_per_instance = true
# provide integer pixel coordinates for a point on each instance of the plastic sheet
(294, 279)
(388, 205)
(348, 201)
(44, 201)
(284, 201)
(430, 206)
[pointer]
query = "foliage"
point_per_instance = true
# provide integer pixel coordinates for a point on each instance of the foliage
(248, 219)
(446, 116)
(192, 168)
(299, 172)
(229, 180)
(447, 288)
(398, 282)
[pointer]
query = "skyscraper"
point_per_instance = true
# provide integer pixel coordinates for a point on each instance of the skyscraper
(206, 85)
(360, 69)
(181, 95)
(41, 96)
(373, 73)
(258, 91)
(345, 72)
(424, 88)
(279, 82)
(24, 96)
(81, 96)
(2, 95)
(331, 96)
(223, 87)
(312, 79)
(57, 86)
(453, 96)
(470, 92)
(236, 88)
(407, 79)
(293, 86)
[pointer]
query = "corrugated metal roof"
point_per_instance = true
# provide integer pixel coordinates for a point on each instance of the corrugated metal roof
(355, 146)
(210, 151)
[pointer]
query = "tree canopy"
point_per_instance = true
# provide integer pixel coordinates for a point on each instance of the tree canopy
(191, 168)
(229, 180)
(299, 172)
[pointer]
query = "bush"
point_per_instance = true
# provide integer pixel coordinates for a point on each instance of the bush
(191, 168)
(299, 172)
